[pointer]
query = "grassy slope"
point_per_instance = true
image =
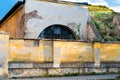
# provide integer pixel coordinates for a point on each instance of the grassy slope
(94, 8)
(103, 19)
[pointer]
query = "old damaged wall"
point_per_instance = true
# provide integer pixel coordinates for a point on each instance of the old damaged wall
(4, 50)
(72, 52)
(41, 14)
(62, 51)
(30, 51)
(75, 52)
(26, 58)
(27, 51)
(65, 57)
(13, 25)
(86, 52)
(108, 52)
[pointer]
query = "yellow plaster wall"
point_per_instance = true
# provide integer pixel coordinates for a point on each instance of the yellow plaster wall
(74, 51)
(26, 51)
(109, 52)
(4, 48)
(62, 51)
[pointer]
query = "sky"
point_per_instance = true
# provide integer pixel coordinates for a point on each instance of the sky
(112, 4)
(6, 5)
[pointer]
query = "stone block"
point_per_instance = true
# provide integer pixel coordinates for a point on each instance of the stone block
(27, 72)
(62, 71)
(113, 70)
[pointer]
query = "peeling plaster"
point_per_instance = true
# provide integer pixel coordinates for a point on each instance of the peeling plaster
(24, 19)
(55, 13)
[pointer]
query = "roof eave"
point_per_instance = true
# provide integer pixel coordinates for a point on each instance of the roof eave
(15, 7)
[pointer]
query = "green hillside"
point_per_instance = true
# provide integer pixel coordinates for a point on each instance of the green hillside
(103, 19)
(94, 8)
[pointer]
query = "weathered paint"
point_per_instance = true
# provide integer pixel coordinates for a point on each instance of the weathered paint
(27, 51)
(56, 52)
(73, 51)
(109, 52)
(72, 16)
(28, 22)
(63, 51)
(4, 49)
(12, 25)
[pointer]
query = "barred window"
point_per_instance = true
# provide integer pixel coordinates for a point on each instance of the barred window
(57, 32)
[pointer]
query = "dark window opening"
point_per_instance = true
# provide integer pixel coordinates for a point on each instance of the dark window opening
(57, 32)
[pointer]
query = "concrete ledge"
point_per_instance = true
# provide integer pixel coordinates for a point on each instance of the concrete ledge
(63, 65)
(81, 64)
(110, 64)
(30, 65)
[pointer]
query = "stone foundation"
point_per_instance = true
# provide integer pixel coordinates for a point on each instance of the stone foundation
(47, 69)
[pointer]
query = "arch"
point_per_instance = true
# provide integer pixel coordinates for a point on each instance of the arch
(57, 32)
